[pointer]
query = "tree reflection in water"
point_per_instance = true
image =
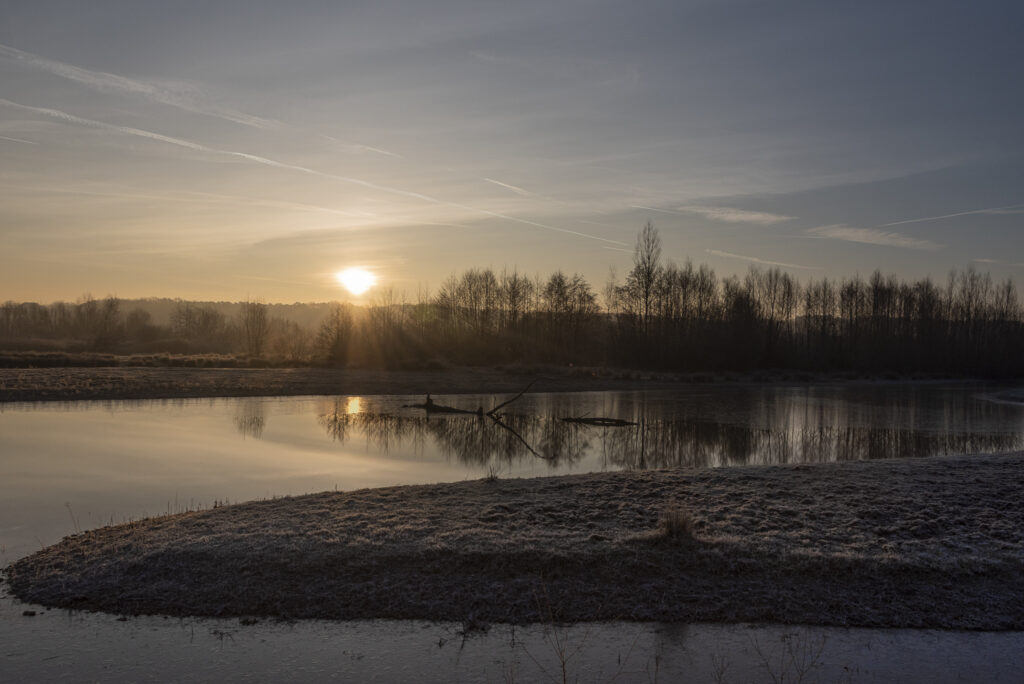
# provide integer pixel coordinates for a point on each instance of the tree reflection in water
(474, 440)
(776, 435)
(250, 418)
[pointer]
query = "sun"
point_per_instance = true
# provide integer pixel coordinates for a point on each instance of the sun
(356, 280)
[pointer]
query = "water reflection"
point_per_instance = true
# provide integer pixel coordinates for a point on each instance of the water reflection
(777, 431)
(474, 440)
(250, 418)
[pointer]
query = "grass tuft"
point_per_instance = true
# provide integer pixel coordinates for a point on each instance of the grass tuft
(676, 524)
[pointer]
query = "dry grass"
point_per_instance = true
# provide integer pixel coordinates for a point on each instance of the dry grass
(676, 524)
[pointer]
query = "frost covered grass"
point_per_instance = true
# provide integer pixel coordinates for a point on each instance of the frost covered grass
(206, 376)
(61, 384)
(935, 543)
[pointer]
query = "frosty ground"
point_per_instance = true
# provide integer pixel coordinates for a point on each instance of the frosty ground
(898, 543)
(74, 384)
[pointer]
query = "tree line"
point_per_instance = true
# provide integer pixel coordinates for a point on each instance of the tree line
(103, 325)
(661, 315)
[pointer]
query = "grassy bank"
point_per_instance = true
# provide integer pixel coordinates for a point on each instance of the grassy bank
(69, 384)
(126, 382)
(905, 543)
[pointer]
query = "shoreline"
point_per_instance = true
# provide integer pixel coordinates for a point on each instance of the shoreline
(137, 383)
(924, 543)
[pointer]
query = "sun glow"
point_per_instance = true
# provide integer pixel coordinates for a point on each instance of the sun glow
(356, 280)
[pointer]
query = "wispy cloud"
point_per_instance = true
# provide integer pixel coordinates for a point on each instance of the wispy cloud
(17, 140)
(731, 215)
(756, 260)
(102, 81)
(985, 261)
(507, 186)
(727, 214)
(872, 236)
(1010, 209)
(266, 161)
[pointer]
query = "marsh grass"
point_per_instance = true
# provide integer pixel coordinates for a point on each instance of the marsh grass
(568, 649)
(795, 662)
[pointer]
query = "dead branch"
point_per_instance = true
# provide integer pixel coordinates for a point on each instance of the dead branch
(601, 422)
(431, 407)
(506, 403)
(526, 444)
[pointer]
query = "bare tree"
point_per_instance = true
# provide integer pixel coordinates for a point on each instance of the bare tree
(335, 335)
(255, 326)
(642, 280)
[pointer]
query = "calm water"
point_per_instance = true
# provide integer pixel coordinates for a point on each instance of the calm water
(78, 465)
(69, 467)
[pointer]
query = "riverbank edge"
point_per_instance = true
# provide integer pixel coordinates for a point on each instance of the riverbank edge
(103, 383)
(904, 543)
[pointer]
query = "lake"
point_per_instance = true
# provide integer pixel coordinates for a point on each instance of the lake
(73, 466)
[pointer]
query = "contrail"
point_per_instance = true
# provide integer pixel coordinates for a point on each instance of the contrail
(90, 123)
(199, 198)
(663, 211)
(755, 260)
(359, 147)
(990, 210)
(106, 82)
(17, 140)
(513, 188)
(188, 144)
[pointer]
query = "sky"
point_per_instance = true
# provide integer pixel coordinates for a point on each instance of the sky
(233, 150)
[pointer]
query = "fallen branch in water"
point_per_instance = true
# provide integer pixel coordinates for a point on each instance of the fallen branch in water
(602, 422)
(497, 421)
(430, 407)
(506, 403)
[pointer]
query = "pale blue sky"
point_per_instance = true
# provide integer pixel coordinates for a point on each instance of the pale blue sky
(225, 150)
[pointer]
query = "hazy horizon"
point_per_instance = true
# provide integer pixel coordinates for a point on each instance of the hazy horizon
(252, 151)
